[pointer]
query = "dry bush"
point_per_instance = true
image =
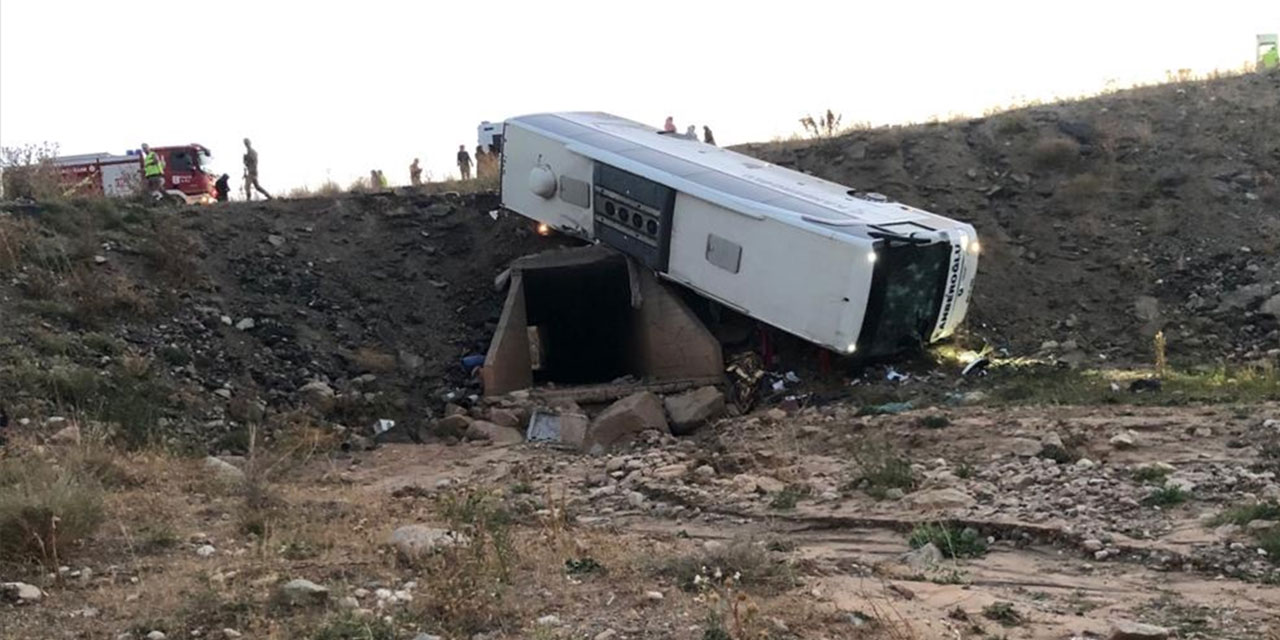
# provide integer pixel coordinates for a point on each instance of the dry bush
(1080, 189)
(45, 510)
(824, 126)
(467, 585)
(28, 172)
(173, 252)
(16, 236)
(1055, 153)
(748, 560)
(96, 296)
(329, 189)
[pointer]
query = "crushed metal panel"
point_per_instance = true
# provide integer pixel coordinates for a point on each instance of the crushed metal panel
(724, 253)
(568, 429)
(575, 192)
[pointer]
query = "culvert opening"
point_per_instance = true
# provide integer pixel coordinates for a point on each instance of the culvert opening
(580, 322)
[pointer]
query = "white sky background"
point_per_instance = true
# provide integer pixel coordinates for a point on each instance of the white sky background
(333, 89)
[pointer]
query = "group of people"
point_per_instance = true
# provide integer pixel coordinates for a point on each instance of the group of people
(691, 132)
(153, 173)
(486, 162)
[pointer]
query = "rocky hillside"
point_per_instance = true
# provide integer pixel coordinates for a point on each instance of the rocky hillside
(200, 320)
(1102, 220)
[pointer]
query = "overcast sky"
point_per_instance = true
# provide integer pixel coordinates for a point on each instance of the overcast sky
(333, 89)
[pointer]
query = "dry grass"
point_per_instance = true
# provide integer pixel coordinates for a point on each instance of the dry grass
(372, 361)
(45, 511)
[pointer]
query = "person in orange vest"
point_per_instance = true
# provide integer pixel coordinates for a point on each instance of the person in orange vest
(153, 171)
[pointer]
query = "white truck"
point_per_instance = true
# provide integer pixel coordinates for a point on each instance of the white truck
(851, 271)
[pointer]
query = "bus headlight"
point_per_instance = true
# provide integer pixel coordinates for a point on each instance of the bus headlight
(974, 247)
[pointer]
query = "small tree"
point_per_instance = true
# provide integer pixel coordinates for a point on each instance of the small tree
(822, 127)
(28, 171)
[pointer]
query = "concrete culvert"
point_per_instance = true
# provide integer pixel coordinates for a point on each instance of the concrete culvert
(588, 316)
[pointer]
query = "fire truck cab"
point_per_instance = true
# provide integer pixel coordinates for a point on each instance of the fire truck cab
(188, 175)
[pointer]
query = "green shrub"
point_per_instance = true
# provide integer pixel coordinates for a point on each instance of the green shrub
(1150, 474)
(1166, 496)
(951, 540)
(1246, 513)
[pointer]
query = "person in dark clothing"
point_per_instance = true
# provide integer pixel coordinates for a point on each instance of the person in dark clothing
(464, 162)
(706, 135)
(223, 187)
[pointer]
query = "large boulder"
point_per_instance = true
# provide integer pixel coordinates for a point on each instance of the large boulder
(20, 592)
(223, 471)
(452, 426)
(941, 499)
(688, 411)
(300, 591)
(414, 540)
(623, 421)
(317, 394)
(1272, 306)
(499, 435)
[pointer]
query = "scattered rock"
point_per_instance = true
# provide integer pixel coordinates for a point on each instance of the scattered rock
(301, 591)
(223, 471)
(501, 436)
(894, 493)
(348, 603)
(231, 634)
(624, 420)
(1123, 441)
(923, 558)
(1085, 463)
(1126, 630)
(550, 620)
(607, 634)
(414, 540)
(20, 592)
(318, 394)
(426, 636)
(452, 426)
(246, 324)
(688, 411)
(1203, 432)
(941, 499)
(705, 472)
(671, 471)
(776, 414)
(156, 635)
(505, 418)
(275, 240)
(1272, 306)
(206, 550)
(67, 435)
(1024, 447)
(1092, 545)
(1259, 526)
(653, 596)
(745, 483)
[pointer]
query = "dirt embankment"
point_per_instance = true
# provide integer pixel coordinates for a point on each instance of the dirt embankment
(202, 320)
(1102, 220)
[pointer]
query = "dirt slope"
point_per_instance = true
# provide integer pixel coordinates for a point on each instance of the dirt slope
(1101, 220)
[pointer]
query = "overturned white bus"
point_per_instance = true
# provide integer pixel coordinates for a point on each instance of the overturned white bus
(847, 270)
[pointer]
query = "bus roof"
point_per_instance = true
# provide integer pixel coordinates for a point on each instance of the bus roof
(738, 182)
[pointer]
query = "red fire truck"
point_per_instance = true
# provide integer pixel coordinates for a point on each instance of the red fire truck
(187, 174)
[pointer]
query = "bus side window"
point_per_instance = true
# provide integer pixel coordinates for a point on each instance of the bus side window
(180, 161)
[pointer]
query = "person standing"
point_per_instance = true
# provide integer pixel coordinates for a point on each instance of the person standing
(415, 174)
(464, 162)
(706, 135)
(223, 187)
(669, 126)
(382, 181)
(251, 172)
(691, 133)
(153, 171)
